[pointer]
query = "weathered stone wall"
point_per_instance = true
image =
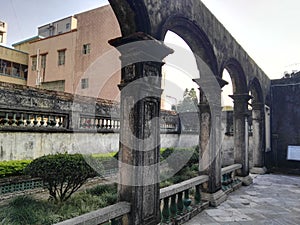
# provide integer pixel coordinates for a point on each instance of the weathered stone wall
(285, 121)
(88, 125)
(29, 145)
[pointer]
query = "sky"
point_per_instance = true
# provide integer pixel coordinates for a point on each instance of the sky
(266, 29)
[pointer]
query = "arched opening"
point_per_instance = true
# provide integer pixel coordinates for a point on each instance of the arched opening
(227, 121)
(240, 123)
(256, 128)
(177, 77)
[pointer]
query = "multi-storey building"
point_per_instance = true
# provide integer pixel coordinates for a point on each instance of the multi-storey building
(3, 32)
(66, 58)
(13, 65)
(58, 27)
(13, 62)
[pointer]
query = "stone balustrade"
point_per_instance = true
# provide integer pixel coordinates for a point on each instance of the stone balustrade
(180, 202)
(229, 180)
(31, 120)
(102, 124)
(113, 215)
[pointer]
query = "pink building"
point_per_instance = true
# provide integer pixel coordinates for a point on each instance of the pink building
(75, 59)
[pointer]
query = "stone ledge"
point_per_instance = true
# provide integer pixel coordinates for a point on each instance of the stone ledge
(100, 216)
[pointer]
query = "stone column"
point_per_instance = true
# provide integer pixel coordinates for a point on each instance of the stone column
(241, 138)
(141, 58)
(210, 137)
(258, 138)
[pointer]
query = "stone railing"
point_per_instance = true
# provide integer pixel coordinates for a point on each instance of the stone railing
(177, 204)
(113, 214)
(169, 122)
(229, 180)
(23, 107)
(99, 124)
(32, 120)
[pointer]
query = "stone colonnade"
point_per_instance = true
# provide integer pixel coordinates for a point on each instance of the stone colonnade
(142, 59)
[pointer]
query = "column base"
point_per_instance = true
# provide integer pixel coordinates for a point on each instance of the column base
(258, 170)
(214, 199)
(246, 181)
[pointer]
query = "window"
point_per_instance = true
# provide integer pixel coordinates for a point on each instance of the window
(86, 48)
(1, 38)
(34, 63)
(84, 83)
(61, 57)
(68, 26)
(43, 61)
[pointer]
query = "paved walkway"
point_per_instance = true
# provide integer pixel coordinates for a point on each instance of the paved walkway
(271, 200)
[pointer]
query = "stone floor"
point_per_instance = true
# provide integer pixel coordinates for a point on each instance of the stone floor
(270, 200)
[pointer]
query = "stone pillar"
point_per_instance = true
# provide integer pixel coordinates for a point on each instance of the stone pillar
(241, 136)
(258, 138)
(141, 58)
(210, 138)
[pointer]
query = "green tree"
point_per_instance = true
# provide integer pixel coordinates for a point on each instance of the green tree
(189, 102)
(62, 174)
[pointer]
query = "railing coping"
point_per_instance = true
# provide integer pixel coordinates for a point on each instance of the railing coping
(182, 186)
(231, 168)
(99, 216)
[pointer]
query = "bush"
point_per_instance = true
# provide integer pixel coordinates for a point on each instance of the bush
(13, 168)
(100, 189)
(62, 174)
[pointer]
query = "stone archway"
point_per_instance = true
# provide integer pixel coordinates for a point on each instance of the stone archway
(215, 46)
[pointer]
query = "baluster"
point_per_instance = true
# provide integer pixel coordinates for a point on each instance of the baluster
(116, 221)
(223, 182)
(180, 203)
(187, 201)
(21, 120)
(14, 120)
(92, 123)
(35, 121)
(6, 120)
(50, 122)
(28, 120)
(60, 121)
(230, 179)
(56, 120)
(166, 211)
(105, 123)
(198, 195)
(42, 122)
(173, 207)
(101, 123)
(113, 124)
(97, 123)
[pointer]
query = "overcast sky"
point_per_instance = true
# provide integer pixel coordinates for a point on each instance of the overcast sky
(267, 29)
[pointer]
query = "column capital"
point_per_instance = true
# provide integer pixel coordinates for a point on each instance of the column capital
(210, 81)
(245, 97)
(140, 47)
